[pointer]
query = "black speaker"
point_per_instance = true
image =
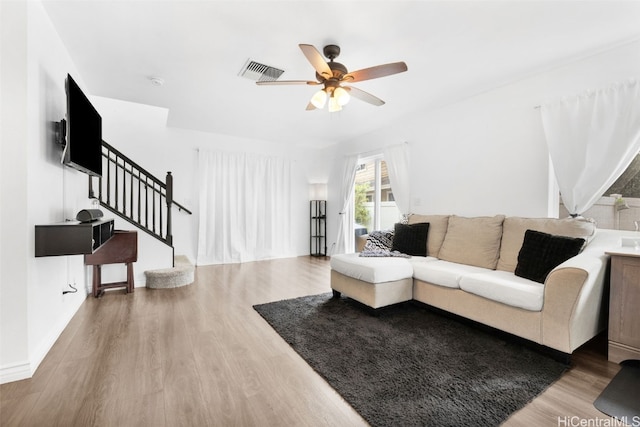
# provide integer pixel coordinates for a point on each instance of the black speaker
(89, 215)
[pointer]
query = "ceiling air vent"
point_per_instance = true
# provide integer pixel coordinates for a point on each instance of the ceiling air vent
(259, 72)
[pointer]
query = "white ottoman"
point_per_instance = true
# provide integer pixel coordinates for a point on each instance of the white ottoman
(373, 281)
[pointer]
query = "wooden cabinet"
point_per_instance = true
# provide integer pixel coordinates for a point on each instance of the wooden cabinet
(624, 305)
(72, 237)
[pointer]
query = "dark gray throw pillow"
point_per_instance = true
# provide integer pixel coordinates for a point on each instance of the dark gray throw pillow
(411, 239)
(542, 252)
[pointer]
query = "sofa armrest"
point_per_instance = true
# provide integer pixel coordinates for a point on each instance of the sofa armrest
(573, 302)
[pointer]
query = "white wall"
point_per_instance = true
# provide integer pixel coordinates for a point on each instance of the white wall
(14, 351)
(487, 154)
(36, 189)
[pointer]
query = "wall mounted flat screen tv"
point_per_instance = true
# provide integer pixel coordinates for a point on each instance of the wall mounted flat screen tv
(83, 148)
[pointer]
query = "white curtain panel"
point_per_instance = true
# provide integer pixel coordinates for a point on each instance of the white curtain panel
(397, 158)
(345, 241)
(592, 138)
(245, 208)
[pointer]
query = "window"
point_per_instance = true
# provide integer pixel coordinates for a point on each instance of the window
(628, 184)
(374, 205)
(607, 212)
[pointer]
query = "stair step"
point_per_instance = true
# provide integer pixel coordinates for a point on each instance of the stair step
(183, 273)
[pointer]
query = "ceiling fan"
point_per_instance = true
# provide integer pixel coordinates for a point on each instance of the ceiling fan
(331, 75)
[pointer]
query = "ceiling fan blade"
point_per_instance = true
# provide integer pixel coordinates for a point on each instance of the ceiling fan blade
(287, 82)
(310, 107)
(364, 96)
(375, 72)
(316, 59)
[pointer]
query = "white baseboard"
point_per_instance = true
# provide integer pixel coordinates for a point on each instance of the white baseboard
(15, 372)
(38, 355)
(23, 370)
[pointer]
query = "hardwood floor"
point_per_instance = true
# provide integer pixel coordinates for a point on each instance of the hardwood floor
(201, 356)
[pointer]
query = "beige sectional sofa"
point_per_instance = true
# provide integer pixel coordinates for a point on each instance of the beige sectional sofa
(469, 271)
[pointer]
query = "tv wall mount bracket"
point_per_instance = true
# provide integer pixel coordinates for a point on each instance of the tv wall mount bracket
(60, 132)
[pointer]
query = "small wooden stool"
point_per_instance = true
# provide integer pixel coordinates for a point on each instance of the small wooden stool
(121, 248)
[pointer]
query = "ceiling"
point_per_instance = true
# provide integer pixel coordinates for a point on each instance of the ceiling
(453, 50)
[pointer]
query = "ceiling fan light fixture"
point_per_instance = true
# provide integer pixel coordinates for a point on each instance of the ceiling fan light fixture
(331, 74)
(334, 105)
(341, 96)
(319, 99)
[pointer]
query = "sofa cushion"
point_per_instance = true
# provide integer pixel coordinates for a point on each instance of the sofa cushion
(411, 239)
(441, 273)
(372, 270)
(473, 241)
(506, 288)
(515, 227)
(437, 230)
(542, 252)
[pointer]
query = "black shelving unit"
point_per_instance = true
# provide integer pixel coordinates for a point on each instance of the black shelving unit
(318, 228)
(72, 237)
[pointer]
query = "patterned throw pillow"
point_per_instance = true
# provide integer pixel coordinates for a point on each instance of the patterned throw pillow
(379, 240)
(379, 245)
(374, 253)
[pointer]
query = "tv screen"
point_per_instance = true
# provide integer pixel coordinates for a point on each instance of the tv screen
(83, 150)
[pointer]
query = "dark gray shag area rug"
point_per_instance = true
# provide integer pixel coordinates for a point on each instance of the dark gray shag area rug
(409, 366)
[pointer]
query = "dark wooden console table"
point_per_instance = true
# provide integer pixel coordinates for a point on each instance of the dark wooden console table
(121, 248)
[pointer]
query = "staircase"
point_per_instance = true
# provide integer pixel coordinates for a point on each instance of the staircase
(133, 194)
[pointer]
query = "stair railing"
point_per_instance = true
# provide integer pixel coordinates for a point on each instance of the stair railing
(134, 194)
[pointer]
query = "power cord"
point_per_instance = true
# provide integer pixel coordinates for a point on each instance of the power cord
(70, 292)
